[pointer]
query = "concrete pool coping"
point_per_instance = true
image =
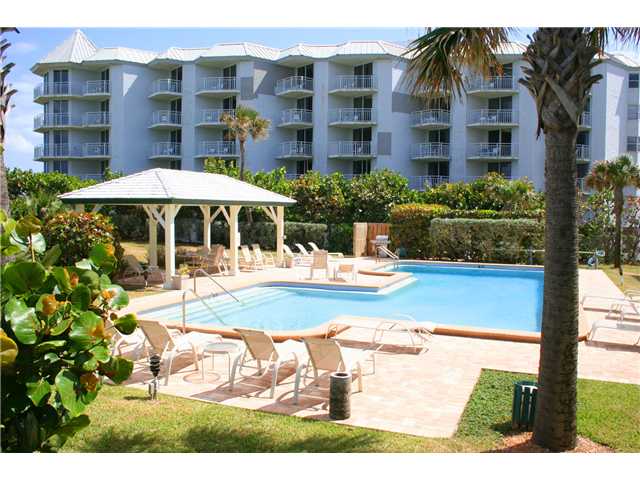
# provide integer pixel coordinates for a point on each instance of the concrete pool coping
(389, 280)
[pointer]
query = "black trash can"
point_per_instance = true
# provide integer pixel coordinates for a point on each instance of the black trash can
(340, 396)
(524, 404)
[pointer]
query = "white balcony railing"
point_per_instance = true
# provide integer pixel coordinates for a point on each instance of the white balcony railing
(421, 182)
(97, 87)
(296, 149)
(96, 150)
(166, 85)
(57, 150)
(220, 148)
(296, 115)
(430, 117)
(583, 152)
(294, 84)
(585, 119)
(57, 89)
(166, 149)
(217, 84)
(493, 150)
(633, 112)
(56, 120)
(355, 82)
(352, 115)
(214, 116)
(490, 83)
(486, 116)
(350, 149)
(430, 150)
(166, 117)
(97, 118)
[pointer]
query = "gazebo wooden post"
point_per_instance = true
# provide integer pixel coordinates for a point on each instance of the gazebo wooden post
(152, 251)
(170, 212)
(234, 210)
(206, 225)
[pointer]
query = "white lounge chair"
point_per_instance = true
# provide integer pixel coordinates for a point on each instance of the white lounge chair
(248, 261)
(134, 269)
(298, 259)
(315, 248)
(171, 344)
(137, 340)
(262, 349)
(621, 325)
(264, 259)
(303, 251)
(326, 354)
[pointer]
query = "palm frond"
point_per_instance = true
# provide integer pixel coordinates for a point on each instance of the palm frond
(601, 37)
(438, 58)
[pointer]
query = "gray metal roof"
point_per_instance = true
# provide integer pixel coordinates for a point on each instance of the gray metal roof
(161, 186)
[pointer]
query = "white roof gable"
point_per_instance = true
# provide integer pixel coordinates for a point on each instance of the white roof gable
(183, 187)
(74, 49)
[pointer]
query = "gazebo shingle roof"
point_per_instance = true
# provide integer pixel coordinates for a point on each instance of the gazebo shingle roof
(162, 186)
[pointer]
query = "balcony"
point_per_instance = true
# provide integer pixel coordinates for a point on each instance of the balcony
(166, 119)
(491, 151)
(217, 149)
(66, 150)
(349, 149)
(354, 85)
(166, 150)
(97, 119)
(295, 150)
(430, 151)
(633, 112)
(296, 118)
(430, 119)
(422, 182)
(51, 90)
(217, 86)
(583, 153)
(585, 121)
(56, 120)
(213, 118)
(491, 86)
(166, 89)
(352, 117)
(492, 118)
(96, 150)
(294, 87)
(97, 89)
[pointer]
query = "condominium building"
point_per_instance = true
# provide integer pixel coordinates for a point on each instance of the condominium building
(333, 108)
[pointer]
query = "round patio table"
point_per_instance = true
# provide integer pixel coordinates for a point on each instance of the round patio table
(224, 348)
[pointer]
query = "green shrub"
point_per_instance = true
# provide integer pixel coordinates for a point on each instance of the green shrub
(78, 233)
(25, 183)
(340, 238)
(504, 241)
(373, 196)
(56, 348)
(410, 227)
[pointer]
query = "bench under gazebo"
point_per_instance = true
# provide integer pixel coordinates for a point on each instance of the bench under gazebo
(162, 193)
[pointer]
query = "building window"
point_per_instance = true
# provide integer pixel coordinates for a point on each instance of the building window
(303, 166)
(47, 168)
(633, 144)
(61, 166)
(438, 169)
(104, 75)
(362, 70)
(633, 112)
(361, 167)
(229, 72)
(634, 80)
(306, 71)
(104, 165)
(229, 103)
(582, 169)
(175, 164)
(176, 74)
(503, 168)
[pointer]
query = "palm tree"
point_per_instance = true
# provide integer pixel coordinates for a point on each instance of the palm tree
(615, 175)
(6, 92)
(245, 124)
(559, 76)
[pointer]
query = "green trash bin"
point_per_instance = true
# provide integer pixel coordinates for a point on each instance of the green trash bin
(524, 404)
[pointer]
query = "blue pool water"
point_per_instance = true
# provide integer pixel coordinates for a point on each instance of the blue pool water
(479, 297)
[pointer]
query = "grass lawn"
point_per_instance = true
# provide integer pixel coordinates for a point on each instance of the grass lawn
(124, 420)
(631, 274)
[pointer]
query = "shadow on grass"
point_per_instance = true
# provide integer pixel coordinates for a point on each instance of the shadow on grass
(113, 441)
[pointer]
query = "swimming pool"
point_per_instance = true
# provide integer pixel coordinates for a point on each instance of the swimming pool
(493, 298)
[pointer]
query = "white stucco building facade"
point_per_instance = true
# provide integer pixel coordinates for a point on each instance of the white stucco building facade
(343, 108)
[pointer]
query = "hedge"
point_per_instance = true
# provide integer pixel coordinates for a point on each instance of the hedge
(504, 240)
(410, 227)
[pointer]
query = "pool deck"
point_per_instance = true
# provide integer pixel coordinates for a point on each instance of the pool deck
(416, 394)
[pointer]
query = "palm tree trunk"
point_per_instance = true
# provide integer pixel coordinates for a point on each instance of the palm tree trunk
(555, 422)
(241, 160)
(618, 205)
(4, 188)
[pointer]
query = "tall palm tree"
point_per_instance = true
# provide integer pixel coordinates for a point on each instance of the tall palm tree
(615, 175)
(558, 76)
(244, 124)
(6, 92)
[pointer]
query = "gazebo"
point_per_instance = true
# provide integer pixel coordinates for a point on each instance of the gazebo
(162, 193)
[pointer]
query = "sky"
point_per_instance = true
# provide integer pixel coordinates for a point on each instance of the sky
(33, 44)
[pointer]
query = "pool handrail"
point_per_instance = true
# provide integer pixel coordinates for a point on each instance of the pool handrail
(210, 277)
(388, 252)
(184, 309)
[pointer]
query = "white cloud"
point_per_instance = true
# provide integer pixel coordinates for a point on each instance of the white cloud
(23, 47)
(16, 142)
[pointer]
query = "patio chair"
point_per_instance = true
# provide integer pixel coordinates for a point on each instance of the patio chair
(327, 354)
(315, 248)
(214, 260)
(120, 341)
(171, 344)
(621, 325)
(320, 262)
(264, 259)
(134, 269)
(261, 347)
(246, 260)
